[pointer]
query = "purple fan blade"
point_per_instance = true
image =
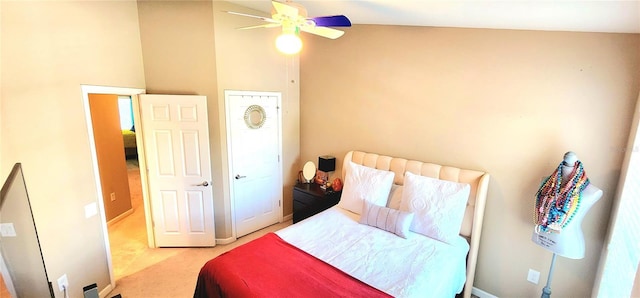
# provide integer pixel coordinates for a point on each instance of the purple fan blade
(332, 21)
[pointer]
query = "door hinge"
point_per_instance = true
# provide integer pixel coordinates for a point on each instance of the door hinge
(279, 203)
(278, 158)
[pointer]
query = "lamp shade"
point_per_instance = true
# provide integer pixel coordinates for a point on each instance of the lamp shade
(326, 163)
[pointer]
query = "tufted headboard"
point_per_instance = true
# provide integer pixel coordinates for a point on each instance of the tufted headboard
(474, 213)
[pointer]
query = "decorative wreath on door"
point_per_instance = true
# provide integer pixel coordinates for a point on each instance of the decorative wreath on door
(255, 116)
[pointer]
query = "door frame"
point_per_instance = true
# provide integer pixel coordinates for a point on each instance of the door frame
(230, 177)
(133, 92)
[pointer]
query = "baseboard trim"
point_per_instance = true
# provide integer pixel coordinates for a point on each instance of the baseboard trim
(482, 294)
(106, 291)
(120, 217)
(223, 241)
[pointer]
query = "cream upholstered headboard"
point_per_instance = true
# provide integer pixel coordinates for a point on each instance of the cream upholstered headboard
(474, 213)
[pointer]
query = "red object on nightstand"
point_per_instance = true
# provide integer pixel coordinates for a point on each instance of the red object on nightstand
(336, 185)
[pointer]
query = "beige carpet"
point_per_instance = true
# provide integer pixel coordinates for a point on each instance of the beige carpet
(176, 276)
(143, 272)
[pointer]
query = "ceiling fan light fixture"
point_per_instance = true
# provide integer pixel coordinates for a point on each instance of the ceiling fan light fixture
(289, 43)
(292, 17)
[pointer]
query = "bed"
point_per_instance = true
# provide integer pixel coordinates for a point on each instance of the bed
(379, 241)
(129, 139)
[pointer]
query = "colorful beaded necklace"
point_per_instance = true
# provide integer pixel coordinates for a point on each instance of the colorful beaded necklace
(556, 204)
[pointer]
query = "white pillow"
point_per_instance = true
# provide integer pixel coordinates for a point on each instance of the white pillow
(364, 183)
(390, 220)
(395, 196)
(439, 206)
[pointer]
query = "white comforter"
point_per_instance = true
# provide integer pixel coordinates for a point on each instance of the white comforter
(414, 267)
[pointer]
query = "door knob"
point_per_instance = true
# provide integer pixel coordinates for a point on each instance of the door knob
(240, 177)
(203, 184)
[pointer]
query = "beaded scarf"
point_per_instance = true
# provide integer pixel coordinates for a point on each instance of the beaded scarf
(556, 204)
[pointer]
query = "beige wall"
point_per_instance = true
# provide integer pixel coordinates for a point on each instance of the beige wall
(248, 60)
(179, 58)
(107, 134)
(192, 47)
(507, 102)
(50, 48)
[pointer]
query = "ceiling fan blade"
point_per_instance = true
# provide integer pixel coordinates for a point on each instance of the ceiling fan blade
(270, 20)
(272, 25)
(284, 9)
(332, 21)
(323, 31)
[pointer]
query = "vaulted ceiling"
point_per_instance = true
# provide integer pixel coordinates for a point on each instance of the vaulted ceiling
(557, 15)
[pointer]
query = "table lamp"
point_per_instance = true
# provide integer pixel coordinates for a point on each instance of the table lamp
(326, 164)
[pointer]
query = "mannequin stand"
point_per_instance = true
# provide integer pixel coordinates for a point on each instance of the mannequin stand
(546, 291)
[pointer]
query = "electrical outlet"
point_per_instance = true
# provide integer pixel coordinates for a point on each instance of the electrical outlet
(533, 276)
(113, 196)
(63, 282)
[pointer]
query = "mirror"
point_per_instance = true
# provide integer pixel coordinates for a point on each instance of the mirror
(21, 261)
(254, 116)
(308, 171)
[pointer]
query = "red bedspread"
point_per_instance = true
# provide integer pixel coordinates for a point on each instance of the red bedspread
(271, 267)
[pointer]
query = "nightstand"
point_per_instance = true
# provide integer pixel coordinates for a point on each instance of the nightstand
(310, 199)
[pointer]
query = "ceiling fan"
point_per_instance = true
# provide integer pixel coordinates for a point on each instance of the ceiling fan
(293, 18)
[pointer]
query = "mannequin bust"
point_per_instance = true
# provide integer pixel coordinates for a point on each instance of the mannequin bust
(569, 242)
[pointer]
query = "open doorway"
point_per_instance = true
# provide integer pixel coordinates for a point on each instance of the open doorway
(132, 93)
(194, 180)
(114, 132)
(127, 232)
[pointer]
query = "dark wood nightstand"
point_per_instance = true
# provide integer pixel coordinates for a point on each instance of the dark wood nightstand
(310, 199)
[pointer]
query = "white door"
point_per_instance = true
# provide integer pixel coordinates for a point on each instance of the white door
(176, 144)
(255, 168)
